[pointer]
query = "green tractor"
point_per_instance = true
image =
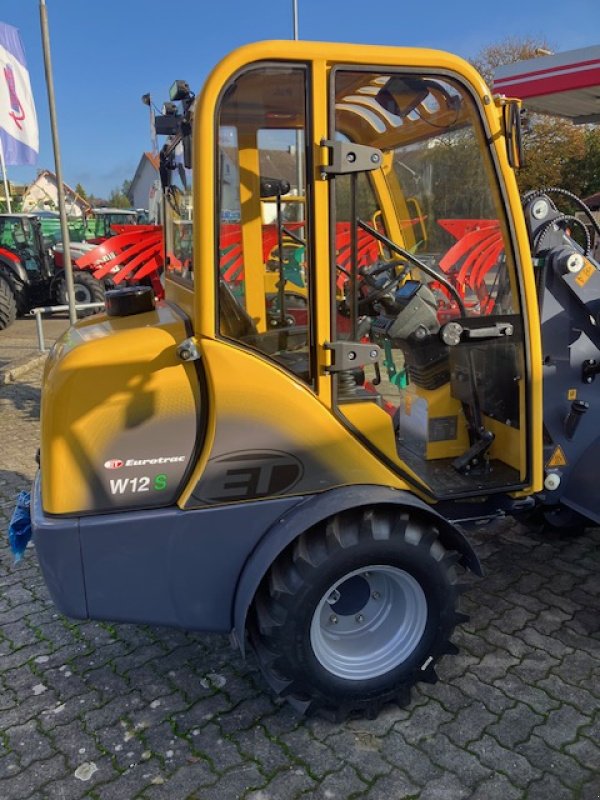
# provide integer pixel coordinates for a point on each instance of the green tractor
(27, 271)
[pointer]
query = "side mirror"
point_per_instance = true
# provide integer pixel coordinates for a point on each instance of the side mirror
(513, 133)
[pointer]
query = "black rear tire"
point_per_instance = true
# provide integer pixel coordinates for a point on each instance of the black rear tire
(8, 304)
(87, 290)
(341, 670)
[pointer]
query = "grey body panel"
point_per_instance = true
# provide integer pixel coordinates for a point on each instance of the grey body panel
(317, 508)
(159, 566)
(57, 545)
(196, 569)
(569, 337)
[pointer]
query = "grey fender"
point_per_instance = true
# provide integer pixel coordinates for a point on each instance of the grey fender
(317, 508)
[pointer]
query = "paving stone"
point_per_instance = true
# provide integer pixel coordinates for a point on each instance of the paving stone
(510, 763)
(515, 726)
(561, 727)
(586, 752)
(362, 750)
(290, 783)
(401, 755)
(423, 722)
(547, 787)
(564, 767)
(388, 786)
(273, 756)
(192, 780)
(548, 644)
(494, 666)
(454, 759)
(534, 667)
(27, 743)
(29, 781)
(127, 784)
(591, 790)
(510, 644)
(535, 696)
(448, 787)
(496, 787)
(450, 697)
(247, 713)
(493, 698)
(471, 643)
(234, 784)
(468, 724)
(563, 692)
(334, 786)
(317, 756)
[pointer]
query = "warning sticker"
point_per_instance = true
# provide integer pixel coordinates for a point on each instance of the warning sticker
(585, 274)
(572, 394)
(557, 459)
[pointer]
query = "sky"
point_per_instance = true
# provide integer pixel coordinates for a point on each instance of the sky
(107, 54)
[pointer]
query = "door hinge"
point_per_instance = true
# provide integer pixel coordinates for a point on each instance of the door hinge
(348, 157)
(351, 355)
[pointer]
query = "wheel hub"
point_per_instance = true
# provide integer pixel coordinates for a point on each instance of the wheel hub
(368, 622)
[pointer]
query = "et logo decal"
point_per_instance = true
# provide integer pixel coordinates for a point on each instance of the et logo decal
(113, 463)
(250, 474)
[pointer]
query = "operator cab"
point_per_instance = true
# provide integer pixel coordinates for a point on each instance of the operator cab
(362, 246)
(21, 235)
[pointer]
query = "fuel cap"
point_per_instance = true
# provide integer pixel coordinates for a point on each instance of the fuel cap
(129, 300)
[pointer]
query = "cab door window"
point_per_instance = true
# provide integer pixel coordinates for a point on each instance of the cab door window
(440, 295)
(263, 263)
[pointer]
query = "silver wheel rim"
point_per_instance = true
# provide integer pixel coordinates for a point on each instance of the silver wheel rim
(368, 622)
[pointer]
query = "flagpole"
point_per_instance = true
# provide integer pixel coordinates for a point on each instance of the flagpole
(68, 267)
(3, 166)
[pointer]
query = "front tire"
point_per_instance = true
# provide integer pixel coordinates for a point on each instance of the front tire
(8, 304)
(355, 612)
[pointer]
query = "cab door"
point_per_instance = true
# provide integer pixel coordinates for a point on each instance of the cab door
(427, 287)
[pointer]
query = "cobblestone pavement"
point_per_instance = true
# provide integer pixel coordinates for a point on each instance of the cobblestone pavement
(117, 712)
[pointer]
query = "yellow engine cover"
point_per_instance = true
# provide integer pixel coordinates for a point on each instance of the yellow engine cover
(120, 414)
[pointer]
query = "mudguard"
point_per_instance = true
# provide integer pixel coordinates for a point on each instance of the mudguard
(318, 508)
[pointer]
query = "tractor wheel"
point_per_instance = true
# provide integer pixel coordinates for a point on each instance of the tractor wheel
(87, 290)
(354, 613)
(8, 304)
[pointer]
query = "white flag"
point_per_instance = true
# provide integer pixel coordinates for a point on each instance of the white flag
(18, 120)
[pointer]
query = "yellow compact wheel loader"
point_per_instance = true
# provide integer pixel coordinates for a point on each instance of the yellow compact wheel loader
(287, 448)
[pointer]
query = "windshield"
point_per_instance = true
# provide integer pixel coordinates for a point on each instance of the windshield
(16, 233)
(445, 207)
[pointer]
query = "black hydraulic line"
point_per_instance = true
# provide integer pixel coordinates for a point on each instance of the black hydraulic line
(417, 262)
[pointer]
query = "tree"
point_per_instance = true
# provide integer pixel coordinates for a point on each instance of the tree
(126, 190)
(81, 191)
(118, 199)
(509, 50)
(557, 152)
